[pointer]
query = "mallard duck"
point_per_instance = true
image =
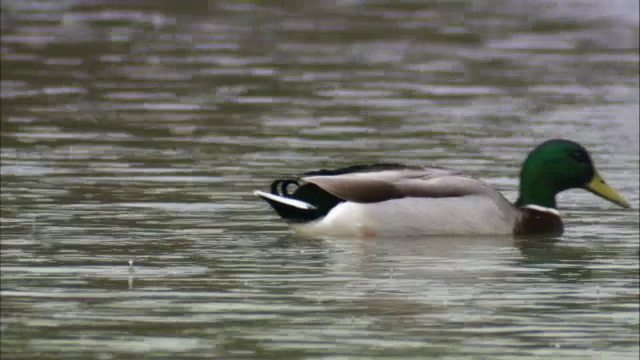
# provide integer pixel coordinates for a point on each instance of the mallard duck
(401, 200)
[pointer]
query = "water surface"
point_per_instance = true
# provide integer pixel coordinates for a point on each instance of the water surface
(135, 132)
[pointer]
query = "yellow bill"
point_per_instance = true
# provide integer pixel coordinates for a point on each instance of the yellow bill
(598, 186)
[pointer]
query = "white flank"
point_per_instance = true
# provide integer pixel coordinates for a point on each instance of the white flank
(466, 215)
(542, 209)
(288, 201)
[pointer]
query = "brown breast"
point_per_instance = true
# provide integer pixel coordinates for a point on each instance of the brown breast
(535, 222)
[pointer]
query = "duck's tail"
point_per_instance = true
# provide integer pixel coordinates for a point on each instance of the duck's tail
(288, 208)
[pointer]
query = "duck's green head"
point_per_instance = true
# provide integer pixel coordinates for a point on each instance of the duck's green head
(558, 165)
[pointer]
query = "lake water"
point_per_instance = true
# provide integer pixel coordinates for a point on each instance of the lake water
(136, 132)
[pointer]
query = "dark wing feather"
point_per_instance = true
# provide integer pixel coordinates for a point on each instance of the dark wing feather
(360, 169)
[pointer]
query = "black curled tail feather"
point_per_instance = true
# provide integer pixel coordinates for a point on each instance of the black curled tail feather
(312, 194)
(280, 187)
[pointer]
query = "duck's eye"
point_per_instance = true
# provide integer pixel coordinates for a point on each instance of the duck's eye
(580, 156)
